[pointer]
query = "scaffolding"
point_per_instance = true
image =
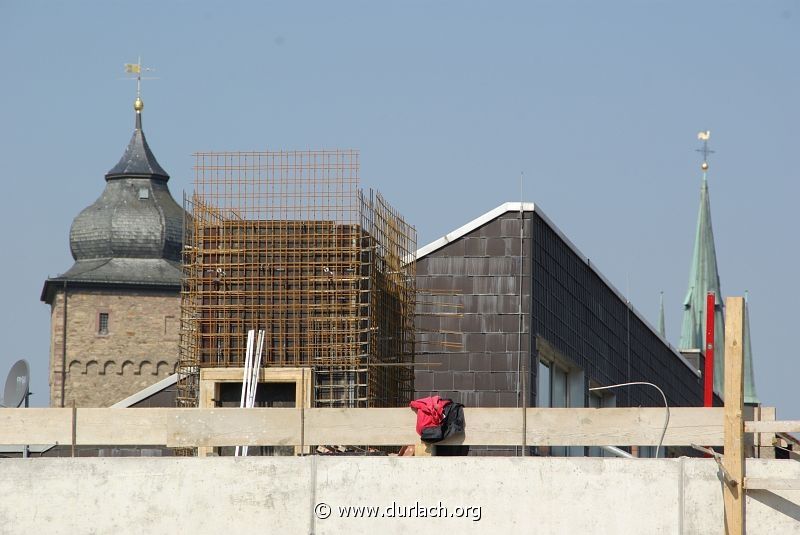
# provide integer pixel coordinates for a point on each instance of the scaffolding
(289, 243)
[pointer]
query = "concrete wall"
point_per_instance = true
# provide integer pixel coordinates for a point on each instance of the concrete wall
(283, 495)
(141, 346)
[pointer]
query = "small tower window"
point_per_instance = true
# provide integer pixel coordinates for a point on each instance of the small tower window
(102, 323)
(144, 193)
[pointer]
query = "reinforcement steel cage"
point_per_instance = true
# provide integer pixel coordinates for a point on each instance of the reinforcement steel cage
(289, 243)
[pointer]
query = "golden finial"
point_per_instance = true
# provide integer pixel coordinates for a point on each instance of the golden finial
(704, 137)
(138, 104)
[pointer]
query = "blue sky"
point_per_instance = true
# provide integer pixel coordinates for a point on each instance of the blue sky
(598, 104)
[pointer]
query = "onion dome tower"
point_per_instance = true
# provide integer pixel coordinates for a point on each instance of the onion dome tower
(132, 234)
(115, 313)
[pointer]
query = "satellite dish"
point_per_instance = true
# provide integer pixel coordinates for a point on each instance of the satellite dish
(17, 383)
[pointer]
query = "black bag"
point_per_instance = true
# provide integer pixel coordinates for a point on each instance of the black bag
(452, 424)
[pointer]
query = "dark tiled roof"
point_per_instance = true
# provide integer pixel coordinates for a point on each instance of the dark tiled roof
(133, 218)
(138, 160)
(132, 235)
(125, 270)
(149, 273)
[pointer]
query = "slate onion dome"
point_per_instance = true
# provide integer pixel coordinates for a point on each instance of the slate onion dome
(135, 216)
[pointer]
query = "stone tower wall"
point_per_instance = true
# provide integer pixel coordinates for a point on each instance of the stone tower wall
(141, 346)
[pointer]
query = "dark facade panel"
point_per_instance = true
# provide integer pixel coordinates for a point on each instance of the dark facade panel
(565, 304)
(483, 367)
(582, 317)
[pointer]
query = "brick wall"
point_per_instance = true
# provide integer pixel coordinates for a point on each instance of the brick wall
(141, 346)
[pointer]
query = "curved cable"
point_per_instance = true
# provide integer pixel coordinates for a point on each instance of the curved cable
(666, 405)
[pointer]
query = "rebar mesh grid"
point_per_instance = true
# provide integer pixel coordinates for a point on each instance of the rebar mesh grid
(287, 242)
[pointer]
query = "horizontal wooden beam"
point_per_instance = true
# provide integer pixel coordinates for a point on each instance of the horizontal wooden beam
(35, 426)
(234, 427)
(774, 426)
(771, 483)
(637, 426)
(377, 427)
(122, 427)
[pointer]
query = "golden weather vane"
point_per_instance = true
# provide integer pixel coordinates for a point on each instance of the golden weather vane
(137, 69)
(704, 137)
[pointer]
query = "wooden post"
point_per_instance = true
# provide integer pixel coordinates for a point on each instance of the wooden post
(74, 425)
(764, 441)
(733, 460)
(209, 392)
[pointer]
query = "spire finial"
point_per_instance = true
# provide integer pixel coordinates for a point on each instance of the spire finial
(136, 69)
(704, 137)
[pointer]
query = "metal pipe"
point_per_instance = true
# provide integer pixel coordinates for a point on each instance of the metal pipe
(708, 372)
(524, 364)
(666, 405)
(615, 451)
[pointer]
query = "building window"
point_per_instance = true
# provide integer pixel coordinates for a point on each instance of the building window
(102, 323)
(169, 325)
(553, 386)
(543, 385)
(553, 391)
(600, 400)
(596, 402)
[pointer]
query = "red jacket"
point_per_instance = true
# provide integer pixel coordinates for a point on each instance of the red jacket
(430, 412)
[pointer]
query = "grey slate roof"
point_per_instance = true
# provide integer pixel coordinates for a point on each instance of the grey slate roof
(145, 271)
(133, 233)
(121, 223)
(138, 159)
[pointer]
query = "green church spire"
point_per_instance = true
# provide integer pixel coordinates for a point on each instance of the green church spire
(704, 278)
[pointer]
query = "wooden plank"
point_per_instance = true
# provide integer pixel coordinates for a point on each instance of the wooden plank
(209, 392)
(733, 460)
(391, 427)
(771, 483)
(761, 440)
(35, 426)
(764, 441)
(496, 426)
(378, 427)
(776, 426)
(233, 427)
(265, 375)
(74, 428)
(122, 427)
(212, 378)
(639, 426)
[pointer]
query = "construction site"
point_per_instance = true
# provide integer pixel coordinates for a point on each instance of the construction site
(308, 320)
(289, 243)
(359, 494)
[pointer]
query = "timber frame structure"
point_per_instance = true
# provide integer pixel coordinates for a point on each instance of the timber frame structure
(181, 428)
(289, 243)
